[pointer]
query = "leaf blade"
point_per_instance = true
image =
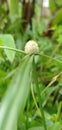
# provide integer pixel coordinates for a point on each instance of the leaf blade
(8, 41)
(17, 99)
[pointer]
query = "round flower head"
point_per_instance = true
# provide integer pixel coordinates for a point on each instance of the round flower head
(31, 47)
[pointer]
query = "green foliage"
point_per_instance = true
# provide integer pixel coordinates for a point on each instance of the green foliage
(7, 40)
(58, 19)
(59, 3)
(17, 93)
(13, 10)
(30, 85)
(52, 5)
(36, 128)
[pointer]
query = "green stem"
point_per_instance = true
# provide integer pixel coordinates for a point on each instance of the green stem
(12, 49)
(39, 95)
(34, 98)
(59, 110)
(52, 58)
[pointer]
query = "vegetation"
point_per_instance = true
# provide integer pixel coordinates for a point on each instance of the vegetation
(30, 72)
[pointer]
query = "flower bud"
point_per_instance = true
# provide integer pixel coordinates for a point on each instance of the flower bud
(31, 47)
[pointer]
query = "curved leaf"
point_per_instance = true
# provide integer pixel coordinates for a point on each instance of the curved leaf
(8, 41)
(17, 92)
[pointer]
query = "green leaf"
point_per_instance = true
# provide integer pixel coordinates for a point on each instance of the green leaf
(8, 41)
(45, 94)
(36, 128)
(35, 77)
(52, 5)
(15, 98)
(0, 42)
(56, 126)
(58, 17)
(59, 3)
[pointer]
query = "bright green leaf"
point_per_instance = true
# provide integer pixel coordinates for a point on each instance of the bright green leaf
(8, 41)
(16, 95)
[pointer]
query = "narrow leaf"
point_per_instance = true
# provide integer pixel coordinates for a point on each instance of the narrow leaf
(15, 98)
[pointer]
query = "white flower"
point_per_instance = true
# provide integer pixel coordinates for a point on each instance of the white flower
(31, 47)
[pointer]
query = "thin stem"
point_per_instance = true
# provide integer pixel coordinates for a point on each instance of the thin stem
(59, 110)
(20, 51)
(12, 49)
(35, 102)
(39, 95)
(53, 80)
(52, 58)
(53, 53)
